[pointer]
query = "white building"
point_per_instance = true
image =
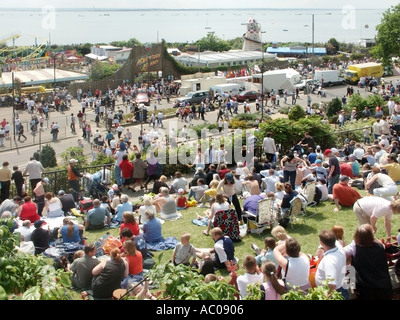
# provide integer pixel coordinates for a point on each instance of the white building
(231, 58)
(102, 52)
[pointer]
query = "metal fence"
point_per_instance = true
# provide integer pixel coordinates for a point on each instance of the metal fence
(58, 179)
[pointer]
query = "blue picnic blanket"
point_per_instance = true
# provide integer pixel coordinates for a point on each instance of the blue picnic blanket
(200, 222)
(168, 243)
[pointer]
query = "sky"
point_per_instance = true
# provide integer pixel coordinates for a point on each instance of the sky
(206, 4)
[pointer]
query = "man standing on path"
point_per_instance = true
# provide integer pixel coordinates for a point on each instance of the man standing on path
(35, 169)
(73, 178)
(72, 125)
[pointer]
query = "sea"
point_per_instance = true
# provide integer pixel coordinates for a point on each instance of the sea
(73, 26)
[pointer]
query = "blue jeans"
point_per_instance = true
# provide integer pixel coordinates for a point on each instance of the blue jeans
(290, 176)
(344, 292)
(331, 182)
(118, 177)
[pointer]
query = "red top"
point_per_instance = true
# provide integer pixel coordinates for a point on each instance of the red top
(127, 168)
(223, 172)
(135, 263)
(29, 212)
(133, 227)
(346, 170)
(181, 202)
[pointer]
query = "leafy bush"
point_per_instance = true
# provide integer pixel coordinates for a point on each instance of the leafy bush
(289, 132)
(296, 113)
(48, 157)
(74, 153)
(183, 283)
(334, 106)
(26, 276)
(321, 292)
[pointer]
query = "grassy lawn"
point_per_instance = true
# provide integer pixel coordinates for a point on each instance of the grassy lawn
(305, 231)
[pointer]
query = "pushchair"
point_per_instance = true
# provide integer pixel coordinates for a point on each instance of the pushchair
(95, 186)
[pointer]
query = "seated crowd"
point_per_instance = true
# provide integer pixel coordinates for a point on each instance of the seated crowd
(218, 187)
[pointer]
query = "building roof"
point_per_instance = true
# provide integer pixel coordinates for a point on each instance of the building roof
(296, 50)
(95, 56)
(232, 55)
(40, 76)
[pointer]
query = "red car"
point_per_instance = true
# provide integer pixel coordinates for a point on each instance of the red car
(247, 95)
(142, 97)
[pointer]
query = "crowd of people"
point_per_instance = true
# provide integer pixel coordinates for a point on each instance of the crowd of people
(218, 186)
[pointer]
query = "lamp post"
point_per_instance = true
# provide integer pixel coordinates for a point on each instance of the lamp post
(262, 77)
(313, 36)
(54, 69)
(13, 104)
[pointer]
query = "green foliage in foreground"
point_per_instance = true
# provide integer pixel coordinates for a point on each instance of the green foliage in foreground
(27, 277)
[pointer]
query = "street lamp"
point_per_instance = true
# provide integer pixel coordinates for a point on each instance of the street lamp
(54, 67)
(262, 77)
(313, 36)
(13, 104)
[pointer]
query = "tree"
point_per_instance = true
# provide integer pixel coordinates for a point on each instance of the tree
(332, 46)
(101, 70)
(296, 113)
(334, 107)
(127, 44)
(48, 157)
(388, 34)
(213, 43)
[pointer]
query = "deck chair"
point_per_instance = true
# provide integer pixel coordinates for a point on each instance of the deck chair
(228, 221)
(266, 218)
(296, 209)
(309, 194)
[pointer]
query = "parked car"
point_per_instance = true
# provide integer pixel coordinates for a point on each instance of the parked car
(302, 84)
(142, 97)
(195, 97)
(247, 95)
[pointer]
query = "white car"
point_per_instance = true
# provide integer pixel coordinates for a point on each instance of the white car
(302, 84)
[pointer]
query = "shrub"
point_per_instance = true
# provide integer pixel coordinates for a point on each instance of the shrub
(296, 113)
(48, 157)
(334, 107)
(74, 153)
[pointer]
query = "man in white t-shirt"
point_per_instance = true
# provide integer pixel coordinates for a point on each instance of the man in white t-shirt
(332, 266)
(370, 209)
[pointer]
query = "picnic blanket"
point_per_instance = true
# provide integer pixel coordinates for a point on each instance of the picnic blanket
(167, 243)
(200, 222)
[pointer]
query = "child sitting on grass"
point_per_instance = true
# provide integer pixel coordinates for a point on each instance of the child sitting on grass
(267, 253)
(181, 200)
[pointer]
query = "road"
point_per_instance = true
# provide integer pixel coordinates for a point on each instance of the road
(19, 153)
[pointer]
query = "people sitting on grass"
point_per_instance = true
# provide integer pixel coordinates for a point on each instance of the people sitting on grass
(97, 217)
(165, 204)
(220, 204)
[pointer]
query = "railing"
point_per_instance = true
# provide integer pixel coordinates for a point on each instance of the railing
(58, 179)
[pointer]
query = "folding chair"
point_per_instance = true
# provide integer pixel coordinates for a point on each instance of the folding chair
(228, 221)
(308, 194)
(296, 209)
(266, 218)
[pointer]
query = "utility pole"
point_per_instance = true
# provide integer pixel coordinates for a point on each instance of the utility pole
(13, 104)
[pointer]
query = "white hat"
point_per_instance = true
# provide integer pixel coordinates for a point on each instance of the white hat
(46, 180)
(246, 194)
(73, 161)
(334, 150)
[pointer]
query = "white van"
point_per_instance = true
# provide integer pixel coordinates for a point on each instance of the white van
(328, 77)
(227, 88)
